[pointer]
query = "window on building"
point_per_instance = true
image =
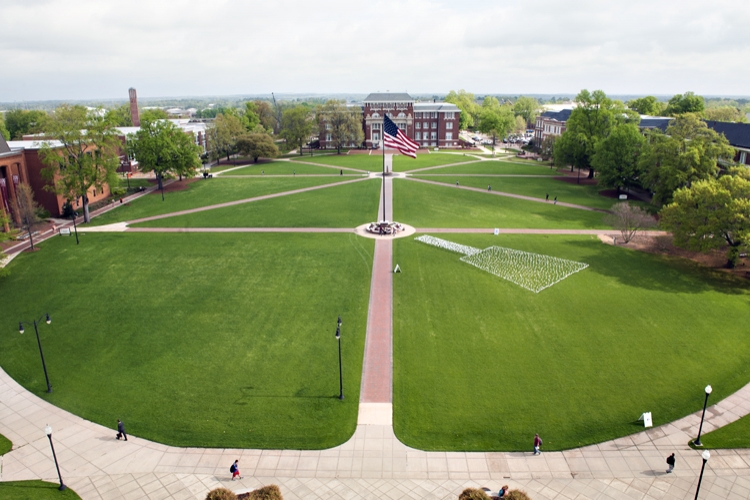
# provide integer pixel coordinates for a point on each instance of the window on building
(328, 137)
(434, 124)
(418, 136)
(417, 125)
(433, 135)
(449, 126)
(401, 115)
(433, 114)
(449, 115)
(328, 126)
(376, 115)
(449, 136)
(376, 126)
(434, 144)
(376, 136)
(402, 126)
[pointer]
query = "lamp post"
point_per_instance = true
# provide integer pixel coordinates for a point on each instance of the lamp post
(341, 375)
(75, 227)
(697, 442)
(39, 342)
(48, 431)
(706, 455)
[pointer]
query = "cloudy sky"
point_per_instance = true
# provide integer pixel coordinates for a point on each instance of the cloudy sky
(87, 49)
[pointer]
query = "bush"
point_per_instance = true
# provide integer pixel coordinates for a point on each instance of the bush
(221, 494)
(473, 494)
(270, 492)
(517, 495)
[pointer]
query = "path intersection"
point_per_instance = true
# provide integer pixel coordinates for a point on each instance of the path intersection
(373, 463)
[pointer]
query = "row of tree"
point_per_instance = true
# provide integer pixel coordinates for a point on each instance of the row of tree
(687, 103)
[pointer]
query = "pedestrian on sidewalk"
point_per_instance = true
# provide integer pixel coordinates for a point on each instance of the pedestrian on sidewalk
(537, 444)
(456, 183)
(235, 470)
(670, 462)
(341, 172)
(555, 202)
(489, 188)
(546, 197)
(121, 430)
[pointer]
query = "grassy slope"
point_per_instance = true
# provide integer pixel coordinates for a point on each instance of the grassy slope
(338, 206)
(206, 192)
(491, 167)
(482, 364)
(373, 162)
(35, 490)
(423, 205)
(5, 445)
(404, 163)
(734, 435)
(284, 168)
(219, 340)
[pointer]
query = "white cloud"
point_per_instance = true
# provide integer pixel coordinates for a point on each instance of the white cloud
(57, 49)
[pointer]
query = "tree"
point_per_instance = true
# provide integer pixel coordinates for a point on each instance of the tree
(20, 122)
(162, 147)
(495, 119)
(223, 135)
(153, 114)
(297, 126)
(685, 103)
(343, 123)
(250, 117)
(648, 105)
(119, 116)
(3, 129)
(616, 157)
(725, 114)
(520, 124)
(712, 213)
(548, 146)
(467, 104)
(266, 115)
(688, 152)
(528, 108)
(27, 209)
(86, 155)
(257, 145)
(629, 219)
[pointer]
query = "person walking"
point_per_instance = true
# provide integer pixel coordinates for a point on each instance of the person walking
(235, 470)
(546, 197)
(555, 202)
(121, 430)
(489, 188)
(670, 462)
(537, 444)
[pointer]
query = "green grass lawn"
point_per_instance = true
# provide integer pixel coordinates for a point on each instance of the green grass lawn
(34, 490)
(338, 206)
(5, 445)
(202, 193)
(491, 167)
(372, 163)
(285, 168)
(404, 163)
(734, 435)
(538, 187)
(423, 205)
(208, 340)
(483, 364)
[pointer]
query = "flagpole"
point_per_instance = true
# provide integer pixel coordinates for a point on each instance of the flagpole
(382, 137)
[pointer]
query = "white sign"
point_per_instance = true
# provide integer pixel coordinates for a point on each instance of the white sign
(397, 269)
(497, 231)
(64, 231)
(623, 197)
(646, 417)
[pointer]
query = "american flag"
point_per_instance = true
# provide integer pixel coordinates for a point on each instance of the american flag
(393, 137)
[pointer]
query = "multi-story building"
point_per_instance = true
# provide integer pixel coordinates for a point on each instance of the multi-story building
(550, 123)
(430, 124)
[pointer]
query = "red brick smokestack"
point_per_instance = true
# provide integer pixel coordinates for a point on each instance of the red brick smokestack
(134, 108)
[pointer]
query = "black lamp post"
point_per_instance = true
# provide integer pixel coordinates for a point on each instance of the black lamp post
(341, 375)
(39, 342)
(706, 455)
(48, 431)
(75, 227)
(697, 442)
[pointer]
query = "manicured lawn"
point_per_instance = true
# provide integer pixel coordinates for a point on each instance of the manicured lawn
(216, 340)
(734, 435)
(491, 167)
(338, 206)
(538, 187)
(483, 364)
(404, 163)
(423, 205)
(5, 445)
(364, 162)
(285, 168)
(35, 490)
(202, 193)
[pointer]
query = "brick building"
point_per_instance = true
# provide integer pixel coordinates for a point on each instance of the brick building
(550, 123)
(430, 124)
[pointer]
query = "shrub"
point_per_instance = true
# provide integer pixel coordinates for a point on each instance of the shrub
(517, 495)
(221, 494)
(473, 494)
(270, 492)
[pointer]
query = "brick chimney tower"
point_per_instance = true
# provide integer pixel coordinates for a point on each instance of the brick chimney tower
(134, 107)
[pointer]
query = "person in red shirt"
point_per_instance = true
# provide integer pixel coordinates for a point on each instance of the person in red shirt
(537, 444)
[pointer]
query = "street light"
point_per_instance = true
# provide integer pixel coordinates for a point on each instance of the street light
(75, 227)
(48, 431)
(697, 442)
(341, 376)
(39, 342)
(706, 455)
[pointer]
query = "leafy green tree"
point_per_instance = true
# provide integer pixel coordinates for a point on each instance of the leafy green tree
(528, 108)
(343, 123)
(223, 134)
(688, 152)
(297, 126)
(250, 116)
(162, 147)
(648, 105)
(27, 210)
(685, 103)
(20, 122)
(85, 157)
(3, 130)
(120, 116)
(153, 114)
(266, 115)
(495, 119)
(257, 146)
(548, 146)
(712, 213)
(467, 104)
(568, 151)
(725, 114)
(616, 157)
(520, 124)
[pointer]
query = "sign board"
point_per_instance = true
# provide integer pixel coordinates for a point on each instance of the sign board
(623, 197)
(388, 167)
(647, 421)
(397, 269)
(497, 231)
(64, 231)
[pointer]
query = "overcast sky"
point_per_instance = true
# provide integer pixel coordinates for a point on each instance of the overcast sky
(90, 49)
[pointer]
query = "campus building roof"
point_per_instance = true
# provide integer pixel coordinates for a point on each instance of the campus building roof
(389, 97)
(738, 134)
(4, 148)
(561, 116)
(660, 122)
(435, 106)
